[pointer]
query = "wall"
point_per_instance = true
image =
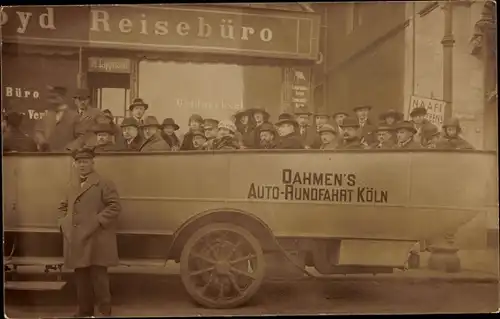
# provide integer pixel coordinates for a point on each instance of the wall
(366, 66)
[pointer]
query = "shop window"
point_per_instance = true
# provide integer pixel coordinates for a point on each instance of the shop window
(354, 17)
(110, 91)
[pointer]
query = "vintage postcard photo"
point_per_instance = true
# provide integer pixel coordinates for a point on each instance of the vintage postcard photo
(199, 159)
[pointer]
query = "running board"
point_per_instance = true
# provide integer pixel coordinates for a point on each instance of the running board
(34, 285)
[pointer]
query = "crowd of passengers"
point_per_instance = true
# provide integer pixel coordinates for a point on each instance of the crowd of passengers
(66, 128)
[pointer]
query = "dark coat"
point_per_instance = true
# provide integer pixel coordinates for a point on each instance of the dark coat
(57, 136)
(291, 142)
(88, 223)
(386, 145)
(310, 138)
(110, 147)
(352, 144)
(270, 146)
(367, 133)
(154, 144)
(173, 141)
(330, 146)
(17, 141)
(247, 136)
(226, 143)
(187, 142)
(456, 143)
(412, 144)
(83, 128)
(134, 145)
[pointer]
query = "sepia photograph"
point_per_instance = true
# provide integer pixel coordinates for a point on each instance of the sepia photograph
(259, 158)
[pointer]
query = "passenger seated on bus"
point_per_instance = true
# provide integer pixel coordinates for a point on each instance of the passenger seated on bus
(168, 129)
(367, 129)
(103, 139)
(430, 136)
(419, 122)
(245, 125)
(391, 117)
(199, 141)
(328, 136)
(107, 117)
(404, 134)
(351, 139)
(226, 139)
(211, 129)
(385, 136)
(321, 118)
(130, 133)
(268, 136)
(14, 139)
(309, 134)
(451, 136)
(195, 123)
(259, 116)
(153, 141)
(288, 129)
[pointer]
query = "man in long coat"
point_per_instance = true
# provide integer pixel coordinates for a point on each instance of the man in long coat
(405, 132)
(365, 125)
(308, 133)
(88, 220)
(153, 142)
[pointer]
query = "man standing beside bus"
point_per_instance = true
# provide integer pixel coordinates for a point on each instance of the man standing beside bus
(88, 223)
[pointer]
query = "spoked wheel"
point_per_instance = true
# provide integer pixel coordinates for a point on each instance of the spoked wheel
(222, 265)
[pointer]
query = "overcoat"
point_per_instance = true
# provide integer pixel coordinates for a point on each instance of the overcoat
(17, 141)
(351, 144)
(329, 146)
(88, 222)
(83, 128)
(154, 143)
(134, 145)
(456, 143)
(57, 135)
(412, 144)
(291, 141)
(310, 138)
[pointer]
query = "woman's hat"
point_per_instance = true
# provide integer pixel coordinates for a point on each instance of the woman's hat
(241, 113)
(138, 102)
(398, 116)
(170, 122)
(210, 124)
(228, 125)
(254, 110)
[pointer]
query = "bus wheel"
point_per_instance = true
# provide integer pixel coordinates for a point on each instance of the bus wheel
(222, 265)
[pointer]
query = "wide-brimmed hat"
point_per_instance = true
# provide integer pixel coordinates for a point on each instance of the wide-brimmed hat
(286, 118)
(82, 93)
(350, 122)
(102, 128)
(267, 127)
(254, 110)
(81, 153)
(418, 111)
(327, 128)
(56, 94)
(150, 121)
(228, 125)
(340, 113)
(210, 124)
(369, 107)
(198, 133)
(241, 113)
(405, 125)
(138, 102)
(170, 122)
(384, 127)
(129, 121)
(398, 116)
(429, 131)
(453, 121)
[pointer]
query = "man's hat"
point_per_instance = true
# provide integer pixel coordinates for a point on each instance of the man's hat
(228, 125)
(327, 128)
(383, 127)
(254, 110)
(302, 111)
(56, 94)
(398, 116)
(138, 102)
(322, 112)
(102, 128)
(355, 109)
(418, 111)
(83, 153)
(429, 131)
(198, 133)
(405, 125)
(350, 122)
(82, 93)
(196, 118)
(150, 121)
(339, 113)
(170, 122)
(129, 121)
(14, 119)
(267, 127)
(287, 118)
(210, 124)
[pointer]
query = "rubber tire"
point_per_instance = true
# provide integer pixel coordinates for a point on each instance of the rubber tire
(193, 239)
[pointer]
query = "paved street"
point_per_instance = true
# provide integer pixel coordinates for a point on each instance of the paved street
(147, 295)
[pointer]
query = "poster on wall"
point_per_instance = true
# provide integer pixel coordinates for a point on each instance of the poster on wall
(435, 109)
(297, 88)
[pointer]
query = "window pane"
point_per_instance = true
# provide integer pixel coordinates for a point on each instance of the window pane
(113, 100)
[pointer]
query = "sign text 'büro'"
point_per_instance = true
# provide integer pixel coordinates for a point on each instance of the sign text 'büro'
(318, 187)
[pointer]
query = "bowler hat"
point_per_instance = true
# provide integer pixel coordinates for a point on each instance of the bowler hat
(350, 122)
(398, 116)
(198, 133)
(286, 118)
(102, 128)
(210, 124)
(339, 113)
(429, 131)
(369, 107)
(82, 93)
(170, 122)
(254, 110)
(83, 153)
(405, 125)
(384, 127)
(418, 111)
(327, 128)
(150, 121)
(267, 127)
(129, 121)
(138, 102)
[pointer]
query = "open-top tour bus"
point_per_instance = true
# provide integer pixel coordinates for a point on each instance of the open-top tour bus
(222, 214)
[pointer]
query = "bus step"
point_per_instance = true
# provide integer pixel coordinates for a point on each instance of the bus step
(34, 285)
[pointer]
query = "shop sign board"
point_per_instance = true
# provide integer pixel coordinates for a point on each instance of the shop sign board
(181, 28)
(109, 65)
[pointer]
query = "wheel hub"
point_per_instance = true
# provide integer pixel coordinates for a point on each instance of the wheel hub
(222, 267)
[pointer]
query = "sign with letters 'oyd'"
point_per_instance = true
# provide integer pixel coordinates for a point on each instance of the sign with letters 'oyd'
(109, 65)
(435, 109)
(252, 32)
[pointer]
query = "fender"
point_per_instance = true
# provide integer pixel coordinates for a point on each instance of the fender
(225, 214)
